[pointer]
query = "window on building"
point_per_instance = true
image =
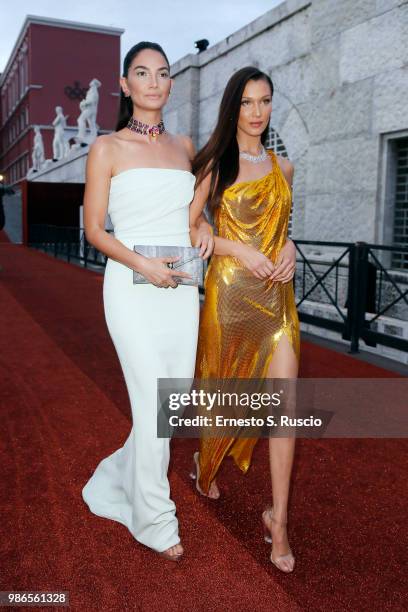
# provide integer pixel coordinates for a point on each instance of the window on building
(14, 88)
(21, 76)
(400, 225)
(274, 142)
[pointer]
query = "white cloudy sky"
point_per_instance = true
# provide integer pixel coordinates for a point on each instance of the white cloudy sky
(175, 24)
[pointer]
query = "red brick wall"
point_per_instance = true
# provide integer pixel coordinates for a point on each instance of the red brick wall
(57, 57)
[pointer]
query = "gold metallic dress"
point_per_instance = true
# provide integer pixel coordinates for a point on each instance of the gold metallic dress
(243, 318)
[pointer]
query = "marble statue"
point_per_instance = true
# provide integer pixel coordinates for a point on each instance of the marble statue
(38, 156)
(87, 118)
(59, 149)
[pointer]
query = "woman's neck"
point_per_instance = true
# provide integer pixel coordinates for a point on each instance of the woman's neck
(145, 116)
(250, 144)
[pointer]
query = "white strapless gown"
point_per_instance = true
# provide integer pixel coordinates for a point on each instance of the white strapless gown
(154, 331)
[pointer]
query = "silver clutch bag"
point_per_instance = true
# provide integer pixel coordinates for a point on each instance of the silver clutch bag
(189, 262)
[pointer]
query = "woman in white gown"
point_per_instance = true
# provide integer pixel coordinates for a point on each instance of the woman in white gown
(141, 176)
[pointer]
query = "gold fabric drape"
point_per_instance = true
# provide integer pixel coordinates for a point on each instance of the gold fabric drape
(243, 318)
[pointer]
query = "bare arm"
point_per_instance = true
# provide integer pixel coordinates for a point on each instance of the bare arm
(222, 245)
(201, 232)
(286, 262)
(98, 175)
(251, 258)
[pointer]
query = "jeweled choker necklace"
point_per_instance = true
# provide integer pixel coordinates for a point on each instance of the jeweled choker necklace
(145, 128)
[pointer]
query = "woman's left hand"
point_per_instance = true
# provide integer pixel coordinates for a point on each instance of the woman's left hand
(204, 239)
(285, 264)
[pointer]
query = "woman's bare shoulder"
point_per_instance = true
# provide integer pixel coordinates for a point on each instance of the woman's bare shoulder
(285, 163)
(106, 148)
(186, 143)
(102, 155)
(104, 143)
(287, 168)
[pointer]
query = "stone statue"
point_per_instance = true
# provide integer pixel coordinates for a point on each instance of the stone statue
(87, 118)
(58, 144)
(38, 156)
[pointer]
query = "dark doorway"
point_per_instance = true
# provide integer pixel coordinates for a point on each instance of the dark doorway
(51, 204)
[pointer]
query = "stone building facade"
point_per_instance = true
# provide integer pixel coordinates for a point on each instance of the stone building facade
(340, 73)
(340, 113)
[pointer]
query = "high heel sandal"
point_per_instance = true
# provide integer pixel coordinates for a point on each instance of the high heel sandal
(195, 475)
(268, 538)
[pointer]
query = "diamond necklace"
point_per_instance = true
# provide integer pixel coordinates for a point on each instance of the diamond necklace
(255, 159)
(144, 128)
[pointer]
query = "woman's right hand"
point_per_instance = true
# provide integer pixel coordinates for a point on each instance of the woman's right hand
(254, 261)
(156, 271)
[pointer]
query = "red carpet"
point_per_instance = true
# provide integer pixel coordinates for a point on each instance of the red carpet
(65, 406)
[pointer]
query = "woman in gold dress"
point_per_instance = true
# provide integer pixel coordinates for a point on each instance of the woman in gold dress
(249, 326)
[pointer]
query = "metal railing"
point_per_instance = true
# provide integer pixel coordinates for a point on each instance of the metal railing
(67, 243)
(342, 286)
(357, 287)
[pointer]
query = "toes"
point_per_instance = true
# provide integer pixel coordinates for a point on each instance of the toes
(287, 565)
(283, 564)
(214, 492)
(176, 550)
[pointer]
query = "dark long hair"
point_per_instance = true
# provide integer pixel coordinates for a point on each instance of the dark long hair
(126, 104)
(220, 156)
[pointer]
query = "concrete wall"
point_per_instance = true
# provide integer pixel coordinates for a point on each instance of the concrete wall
(70, 170)
(340, 72)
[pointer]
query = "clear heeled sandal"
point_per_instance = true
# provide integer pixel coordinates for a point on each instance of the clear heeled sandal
(195, 475)
(268, 538)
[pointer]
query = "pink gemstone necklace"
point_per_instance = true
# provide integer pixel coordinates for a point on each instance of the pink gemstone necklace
(145, 128)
